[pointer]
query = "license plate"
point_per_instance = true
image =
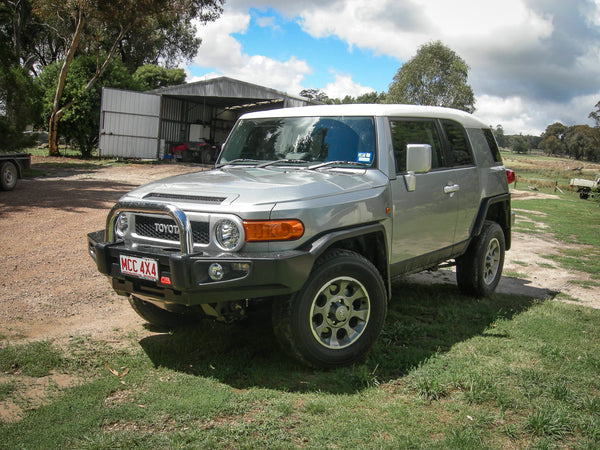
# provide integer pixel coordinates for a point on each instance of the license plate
(139, 267)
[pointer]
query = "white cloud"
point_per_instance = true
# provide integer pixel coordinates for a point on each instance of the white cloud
(532, 61)
(509, 112)
(344, 85)
(219, 48)
(222, 51)
(517, 115)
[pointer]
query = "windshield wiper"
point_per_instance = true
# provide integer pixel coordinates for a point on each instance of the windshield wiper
(336, 163)
(282, 161)
(239, 160)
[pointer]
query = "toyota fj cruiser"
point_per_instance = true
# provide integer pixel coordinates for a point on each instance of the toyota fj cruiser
(317, 209)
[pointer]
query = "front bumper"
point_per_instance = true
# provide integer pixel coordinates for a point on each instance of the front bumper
(183, 277)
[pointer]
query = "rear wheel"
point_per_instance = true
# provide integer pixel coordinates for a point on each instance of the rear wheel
(479, 270)
(8, 176)
(158, 316)
(337, 315)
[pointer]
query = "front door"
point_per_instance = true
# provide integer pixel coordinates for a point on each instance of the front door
(425, 219)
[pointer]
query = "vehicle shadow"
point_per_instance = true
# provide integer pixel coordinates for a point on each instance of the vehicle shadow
(423, 320)
(71, 195)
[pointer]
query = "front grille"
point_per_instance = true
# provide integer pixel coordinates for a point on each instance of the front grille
(166, 229)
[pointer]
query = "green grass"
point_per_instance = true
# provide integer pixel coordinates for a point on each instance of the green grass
(448, 371)
(37, 359)
(569, 220)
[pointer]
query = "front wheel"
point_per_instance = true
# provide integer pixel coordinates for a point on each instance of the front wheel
(479, 270)
(337, 315)
(8, 176)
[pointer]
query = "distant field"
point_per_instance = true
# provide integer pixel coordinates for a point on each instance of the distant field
(541, 171)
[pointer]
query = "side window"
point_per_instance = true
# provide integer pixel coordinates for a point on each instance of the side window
(460, 151)
(406, 132)
(489, 137)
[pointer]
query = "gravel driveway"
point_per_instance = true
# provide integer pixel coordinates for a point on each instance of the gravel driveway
(50, 287)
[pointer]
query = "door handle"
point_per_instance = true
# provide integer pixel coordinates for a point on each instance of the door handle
(451, 189)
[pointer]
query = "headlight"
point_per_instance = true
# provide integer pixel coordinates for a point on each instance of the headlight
(227, 234)
(121, 225)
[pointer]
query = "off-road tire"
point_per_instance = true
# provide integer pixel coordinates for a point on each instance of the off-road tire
(335, 318)
(158, 316)
(479, 270)
(8, 176)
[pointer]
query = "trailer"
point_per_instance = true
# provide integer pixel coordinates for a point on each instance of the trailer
(11, 169)
(585, 186)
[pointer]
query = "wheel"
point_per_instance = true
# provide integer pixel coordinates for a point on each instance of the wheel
(479, 270)
(337, 315)
(158, 316)
(205, 156)
(8, 176)
(583, 195)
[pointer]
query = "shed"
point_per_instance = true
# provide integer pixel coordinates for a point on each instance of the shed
(149, 125)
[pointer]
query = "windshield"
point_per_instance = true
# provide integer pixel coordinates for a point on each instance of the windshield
(302, 140)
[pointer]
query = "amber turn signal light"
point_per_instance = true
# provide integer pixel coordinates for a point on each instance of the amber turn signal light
(273, 230)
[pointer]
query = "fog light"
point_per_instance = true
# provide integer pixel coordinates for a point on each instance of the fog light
(216, 272)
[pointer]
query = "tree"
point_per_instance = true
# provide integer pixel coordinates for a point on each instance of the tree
(150, 77)
(501, 139)
(100, 29)
(18, 96)
(583, 142)
(519, 144)
(435, 76)
(553, 139)
(80, 123)
(552, 146)
(596, 115)
(315, 94)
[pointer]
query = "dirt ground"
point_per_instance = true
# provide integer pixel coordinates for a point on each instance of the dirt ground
(50, 287)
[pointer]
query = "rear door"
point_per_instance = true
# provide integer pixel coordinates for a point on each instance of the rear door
(464, 175)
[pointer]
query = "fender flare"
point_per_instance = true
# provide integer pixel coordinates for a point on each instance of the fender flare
(320, 244)
(504, 219)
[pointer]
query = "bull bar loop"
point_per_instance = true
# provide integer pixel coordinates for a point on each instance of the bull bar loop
(186, 239)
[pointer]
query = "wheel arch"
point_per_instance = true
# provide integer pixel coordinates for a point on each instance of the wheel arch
(496, 209)
(368, 240)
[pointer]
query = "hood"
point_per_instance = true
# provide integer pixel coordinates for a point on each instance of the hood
(252, 185)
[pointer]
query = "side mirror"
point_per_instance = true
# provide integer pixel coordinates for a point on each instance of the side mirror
(418, 160)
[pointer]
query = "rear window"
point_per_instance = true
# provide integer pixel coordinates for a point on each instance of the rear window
(460, 150)
(493, 146)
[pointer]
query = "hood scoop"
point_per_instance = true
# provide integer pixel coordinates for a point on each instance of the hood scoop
(186, 198)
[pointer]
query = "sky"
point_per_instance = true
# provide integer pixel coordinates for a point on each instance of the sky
(533, 62)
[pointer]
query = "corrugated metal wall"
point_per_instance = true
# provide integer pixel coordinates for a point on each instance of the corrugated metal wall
(177, 115)
(129, 124)
(147, 124)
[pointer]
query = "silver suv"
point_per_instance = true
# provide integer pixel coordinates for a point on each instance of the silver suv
(317, 210)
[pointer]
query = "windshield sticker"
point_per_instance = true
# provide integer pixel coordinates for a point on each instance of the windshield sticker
(365, 157)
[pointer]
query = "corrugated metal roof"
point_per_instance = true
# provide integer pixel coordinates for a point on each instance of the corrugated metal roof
(225, 88)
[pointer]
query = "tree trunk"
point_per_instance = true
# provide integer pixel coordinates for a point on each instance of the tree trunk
(62, 79)
(53, 134)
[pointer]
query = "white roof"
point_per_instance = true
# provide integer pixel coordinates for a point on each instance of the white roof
(370, 109)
